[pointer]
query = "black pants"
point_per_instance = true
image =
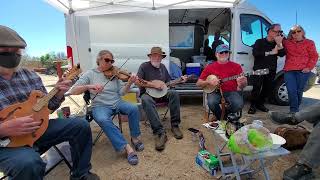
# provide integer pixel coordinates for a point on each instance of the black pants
(262, 88)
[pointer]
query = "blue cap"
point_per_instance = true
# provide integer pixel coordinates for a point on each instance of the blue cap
(222, 47)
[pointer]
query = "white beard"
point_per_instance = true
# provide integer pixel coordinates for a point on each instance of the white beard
(156, 64)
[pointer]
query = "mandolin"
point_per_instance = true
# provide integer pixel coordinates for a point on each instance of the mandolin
(37, 106)
(157, 93)
(210, 89)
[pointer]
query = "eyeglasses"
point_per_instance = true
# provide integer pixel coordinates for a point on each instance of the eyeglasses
(297, 31)
(224, 52)
(107, 60)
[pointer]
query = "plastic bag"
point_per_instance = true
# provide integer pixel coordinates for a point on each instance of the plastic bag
(250, 139)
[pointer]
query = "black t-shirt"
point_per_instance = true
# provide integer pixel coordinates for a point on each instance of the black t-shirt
(148, 72)
(207, 51)
(261, 61)
(214, 46)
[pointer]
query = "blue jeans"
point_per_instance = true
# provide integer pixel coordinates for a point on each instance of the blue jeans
(103, 116)
(149, 106)
(295, 83)
(26, 163)
(234, 99)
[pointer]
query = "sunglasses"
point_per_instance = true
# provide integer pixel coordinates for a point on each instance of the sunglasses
(224, 52)
(280, 31)
(297, 31)
(107, 60)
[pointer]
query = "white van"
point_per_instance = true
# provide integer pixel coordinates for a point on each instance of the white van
(130, 28)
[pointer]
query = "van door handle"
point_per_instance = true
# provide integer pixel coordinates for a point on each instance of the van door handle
(242, 52)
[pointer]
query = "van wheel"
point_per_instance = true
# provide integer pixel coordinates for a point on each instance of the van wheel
(280, 93)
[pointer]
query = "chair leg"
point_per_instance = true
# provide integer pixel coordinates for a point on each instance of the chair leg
(165, 115)
(57, 163)
(98, 136)
(63, 156)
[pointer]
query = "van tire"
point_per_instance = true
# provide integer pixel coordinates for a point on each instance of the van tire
(280, 93)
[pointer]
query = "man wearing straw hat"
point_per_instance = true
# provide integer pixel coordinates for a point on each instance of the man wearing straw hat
(154, 70)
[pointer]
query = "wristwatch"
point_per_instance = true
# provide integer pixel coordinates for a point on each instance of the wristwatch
(267, 53)
(4, 142)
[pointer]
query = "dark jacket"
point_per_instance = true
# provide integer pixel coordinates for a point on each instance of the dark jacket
(261, 61)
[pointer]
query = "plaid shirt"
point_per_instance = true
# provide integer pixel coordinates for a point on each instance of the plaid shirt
(19, 88)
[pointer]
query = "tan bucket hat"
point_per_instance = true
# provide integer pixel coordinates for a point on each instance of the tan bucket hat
(157, 50)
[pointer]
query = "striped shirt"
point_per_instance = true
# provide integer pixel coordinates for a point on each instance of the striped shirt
(19, 87)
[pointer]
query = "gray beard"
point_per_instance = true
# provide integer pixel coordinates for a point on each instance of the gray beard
(156, 65)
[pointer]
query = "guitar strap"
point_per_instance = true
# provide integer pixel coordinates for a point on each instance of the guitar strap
(223, 105)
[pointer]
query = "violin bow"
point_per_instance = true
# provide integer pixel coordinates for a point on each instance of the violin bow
(112, 77)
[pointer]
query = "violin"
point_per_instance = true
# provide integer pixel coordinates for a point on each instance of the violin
(114, 71)
(123, 75)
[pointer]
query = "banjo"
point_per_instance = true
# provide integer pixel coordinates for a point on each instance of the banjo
(210, 88)
(158, 93)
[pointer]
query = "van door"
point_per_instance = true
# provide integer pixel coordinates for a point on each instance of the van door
(249, 25)
(129, 35)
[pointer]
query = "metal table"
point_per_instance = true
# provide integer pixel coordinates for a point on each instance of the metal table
(235, 170)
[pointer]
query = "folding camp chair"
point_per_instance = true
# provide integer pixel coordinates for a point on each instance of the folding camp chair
(63, 159)
(132, 97)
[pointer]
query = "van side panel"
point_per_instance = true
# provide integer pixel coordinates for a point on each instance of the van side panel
(129, 35)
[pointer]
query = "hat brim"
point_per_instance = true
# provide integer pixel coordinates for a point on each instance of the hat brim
(224, 51)
(163, 55)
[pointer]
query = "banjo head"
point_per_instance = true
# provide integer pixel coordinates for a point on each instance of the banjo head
(156, 93)
(209, 88)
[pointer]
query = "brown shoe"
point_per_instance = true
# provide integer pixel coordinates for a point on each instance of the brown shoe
(160, 141)
(177, 132)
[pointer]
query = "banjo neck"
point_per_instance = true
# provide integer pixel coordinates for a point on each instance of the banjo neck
(176, 81)
(235, 77)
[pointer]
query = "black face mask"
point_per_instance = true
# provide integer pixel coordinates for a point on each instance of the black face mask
(9, 59)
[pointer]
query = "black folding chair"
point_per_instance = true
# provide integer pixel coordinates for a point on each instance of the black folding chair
(63, 159)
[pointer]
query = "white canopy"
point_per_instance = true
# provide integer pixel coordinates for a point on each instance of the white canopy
(97, 7)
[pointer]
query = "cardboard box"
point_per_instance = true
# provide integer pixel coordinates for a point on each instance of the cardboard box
(207, 161)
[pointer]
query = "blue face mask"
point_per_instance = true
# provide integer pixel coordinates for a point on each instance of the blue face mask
(9, 59)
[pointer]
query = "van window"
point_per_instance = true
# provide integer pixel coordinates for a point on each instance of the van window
(253, 27)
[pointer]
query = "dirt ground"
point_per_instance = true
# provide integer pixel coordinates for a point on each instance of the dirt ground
(177, 161)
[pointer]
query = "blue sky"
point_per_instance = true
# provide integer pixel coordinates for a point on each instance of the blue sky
(42, 26)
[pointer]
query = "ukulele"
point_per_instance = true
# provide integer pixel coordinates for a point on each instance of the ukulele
(37, 106)
(210, 89)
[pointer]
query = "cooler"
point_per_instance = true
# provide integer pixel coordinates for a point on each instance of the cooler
(193, 68)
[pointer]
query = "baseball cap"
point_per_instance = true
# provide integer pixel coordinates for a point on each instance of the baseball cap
(222, 47)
